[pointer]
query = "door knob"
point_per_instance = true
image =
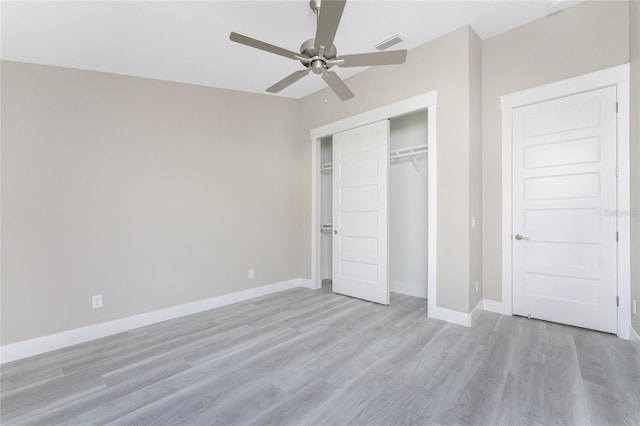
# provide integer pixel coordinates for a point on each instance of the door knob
(520, 237)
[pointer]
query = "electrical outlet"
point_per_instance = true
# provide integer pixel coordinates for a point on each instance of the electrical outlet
(251, 274)
(635, 307)
(96, 301)
(477, 287)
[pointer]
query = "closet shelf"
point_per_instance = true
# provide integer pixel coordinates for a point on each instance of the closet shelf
(411, 151)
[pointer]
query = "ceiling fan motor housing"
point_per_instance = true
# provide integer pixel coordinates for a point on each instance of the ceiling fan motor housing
(317, 63)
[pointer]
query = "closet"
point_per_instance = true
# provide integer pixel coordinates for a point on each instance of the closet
(406, 237)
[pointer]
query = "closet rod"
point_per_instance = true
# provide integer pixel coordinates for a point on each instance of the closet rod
(411, 151)
(408, 152)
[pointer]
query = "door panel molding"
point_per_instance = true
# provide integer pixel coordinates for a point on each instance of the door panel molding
(566, 270)
(360, 212)
(617, 77)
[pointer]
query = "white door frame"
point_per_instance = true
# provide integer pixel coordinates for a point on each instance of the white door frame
(426, 101)
(619, 78)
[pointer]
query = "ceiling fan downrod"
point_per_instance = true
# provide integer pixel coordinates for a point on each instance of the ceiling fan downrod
(315, 6)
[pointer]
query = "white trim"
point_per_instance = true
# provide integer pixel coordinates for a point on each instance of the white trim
(624, 205)
(39, 345)
(457, 317)
(449, 315)
(635, 339)
(316, 237)
(397, 109)
(507, 180)
(426, 101)
(415, 290)
(475, 312)
(494, 306)
(618, 77)
(306, 283)
(571, 86)
(432, 223)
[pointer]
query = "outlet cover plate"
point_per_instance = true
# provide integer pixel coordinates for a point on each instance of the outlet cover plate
(96, 301)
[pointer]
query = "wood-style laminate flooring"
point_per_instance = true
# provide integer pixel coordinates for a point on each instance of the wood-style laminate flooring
(304, 357)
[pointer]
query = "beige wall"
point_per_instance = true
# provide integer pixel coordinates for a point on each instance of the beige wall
(585, 38)
(634, 39)
(442, 64)
(475, 167)
(151, 193)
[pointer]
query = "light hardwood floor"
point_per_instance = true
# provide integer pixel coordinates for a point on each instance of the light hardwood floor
(302, 357)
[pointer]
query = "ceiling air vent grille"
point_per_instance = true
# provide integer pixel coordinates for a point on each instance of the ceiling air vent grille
(391, 41)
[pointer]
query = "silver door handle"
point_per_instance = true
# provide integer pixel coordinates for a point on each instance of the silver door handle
(520, 237)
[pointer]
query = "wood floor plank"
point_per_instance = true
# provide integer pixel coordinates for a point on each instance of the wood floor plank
(313, 357)
(294, 411)
(566, 398)
(484, 385)
(161, 390)
(606, 409)
(523, 398)
(377, 380)
(115, 389)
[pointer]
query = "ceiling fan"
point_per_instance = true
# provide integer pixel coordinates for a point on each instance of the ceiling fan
(319, 54)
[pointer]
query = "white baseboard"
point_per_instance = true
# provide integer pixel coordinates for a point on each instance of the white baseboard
(306, 283)
(416, 290)
(494, 306)
(457, 317)
(450, 315)
(475, 312)
(634, 338)
(27, 348)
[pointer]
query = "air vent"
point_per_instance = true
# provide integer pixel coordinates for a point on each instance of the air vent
(391, 41)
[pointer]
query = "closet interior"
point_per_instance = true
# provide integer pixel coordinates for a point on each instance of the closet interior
(407, 205)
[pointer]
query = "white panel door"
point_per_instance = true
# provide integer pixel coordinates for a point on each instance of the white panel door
(564, 199)
(360, 181)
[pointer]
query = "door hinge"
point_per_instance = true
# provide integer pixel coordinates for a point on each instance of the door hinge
(617, 300)
(616, 107)
(617, 171)
(617, 236)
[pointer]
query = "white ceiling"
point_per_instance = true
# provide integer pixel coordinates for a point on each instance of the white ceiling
(188, 42)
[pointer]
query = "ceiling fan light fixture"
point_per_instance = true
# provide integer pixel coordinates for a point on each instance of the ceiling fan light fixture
(391, 41)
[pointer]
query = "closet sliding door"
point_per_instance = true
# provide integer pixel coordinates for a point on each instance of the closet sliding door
(360, 212)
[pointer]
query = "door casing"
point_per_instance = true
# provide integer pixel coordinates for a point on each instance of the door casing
(617, 77)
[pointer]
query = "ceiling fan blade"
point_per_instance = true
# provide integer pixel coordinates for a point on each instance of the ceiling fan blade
(328, 21)
(337, 85)
(252, 42)
(374, 58)
(288, 81)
